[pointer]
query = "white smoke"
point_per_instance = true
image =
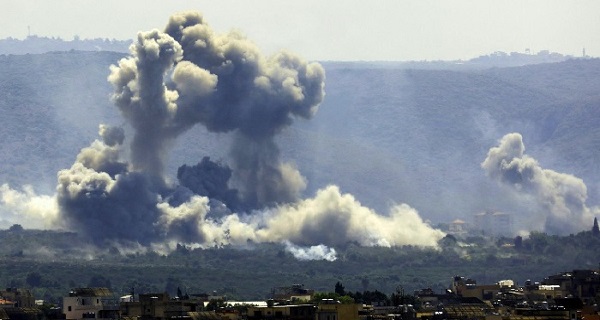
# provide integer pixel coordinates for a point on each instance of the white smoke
(333, 219)
(320, 252)
(329, 219)
(28, 209)
(561, 197)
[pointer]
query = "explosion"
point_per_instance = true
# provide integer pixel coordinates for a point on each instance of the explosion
(117, 190)
(561, 197)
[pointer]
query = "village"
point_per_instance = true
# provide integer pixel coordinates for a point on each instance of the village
(564, 296)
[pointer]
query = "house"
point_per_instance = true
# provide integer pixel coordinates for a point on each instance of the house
(329, 309)
(584, 284)
(457, 227)
(20, 298)
(18, 304)
(160, 306)
(286, 312)
(296, 292)
(494, 223)
(90, 303)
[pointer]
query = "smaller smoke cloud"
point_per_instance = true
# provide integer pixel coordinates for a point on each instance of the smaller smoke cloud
(319, 252)
(144, 100)
(561, 197)
(209, 179)
(254, 95)
(261, 177)
(111, 136)
(185, 221)
(104, 156)
(28, 209)
(336, 219)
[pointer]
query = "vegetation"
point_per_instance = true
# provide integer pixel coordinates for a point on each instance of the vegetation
(51, 263)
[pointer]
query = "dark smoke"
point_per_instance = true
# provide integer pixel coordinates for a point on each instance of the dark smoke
(102, 208)
(112, 136)
(254, 95)
(209, 179)
(189, 75)
(172, 81)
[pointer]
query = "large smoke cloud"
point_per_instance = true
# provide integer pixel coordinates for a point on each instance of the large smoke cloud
(117, 190)
(189, 75)
(561, 197)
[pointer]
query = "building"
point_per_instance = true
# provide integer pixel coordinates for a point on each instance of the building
(493, 223)
(458, 227)
(285, 312)
(296, 293)
(90, 303)
(584, 284)
(19, 298)
(333, 310)
(160, 306)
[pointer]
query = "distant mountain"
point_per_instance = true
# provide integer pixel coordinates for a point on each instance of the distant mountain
(386, 133)
(35, 44)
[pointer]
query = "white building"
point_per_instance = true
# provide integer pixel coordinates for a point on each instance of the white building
(494, 223)
(90, 303)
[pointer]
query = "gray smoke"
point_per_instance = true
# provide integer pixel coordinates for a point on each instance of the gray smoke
(144, 100)
(105, 156)
(172, 81)
(103, 208)
(188, 75)
(209, 179)
(254, 95)
(561, 197)
(111, 136)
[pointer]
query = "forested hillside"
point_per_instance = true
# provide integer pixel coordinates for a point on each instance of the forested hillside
(51, 263)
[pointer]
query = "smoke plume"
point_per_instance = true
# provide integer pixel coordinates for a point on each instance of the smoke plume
(319, 252)
(118, 193)
(27, 208)
(189, 75)
(561, 197)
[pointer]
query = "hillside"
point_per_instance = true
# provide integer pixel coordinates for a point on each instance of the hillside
(250, 273)
(386, 135)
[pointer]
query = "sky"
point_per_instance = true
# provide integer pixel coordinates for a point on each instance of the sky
(392, 30)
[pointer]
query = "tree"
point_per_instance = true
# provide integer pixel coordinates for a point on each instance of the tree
(339, 289)
(518, 242)
(34, 279)
(16, 228)
(99, 281)
(172, 285)
(345, 299)
(595, 230)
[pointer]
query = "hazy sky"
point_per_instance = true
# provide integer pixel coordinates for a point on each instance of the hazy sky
(335, 30)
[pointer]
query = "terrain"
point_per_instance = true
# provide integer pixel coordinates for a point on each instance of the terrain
(52, 262)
